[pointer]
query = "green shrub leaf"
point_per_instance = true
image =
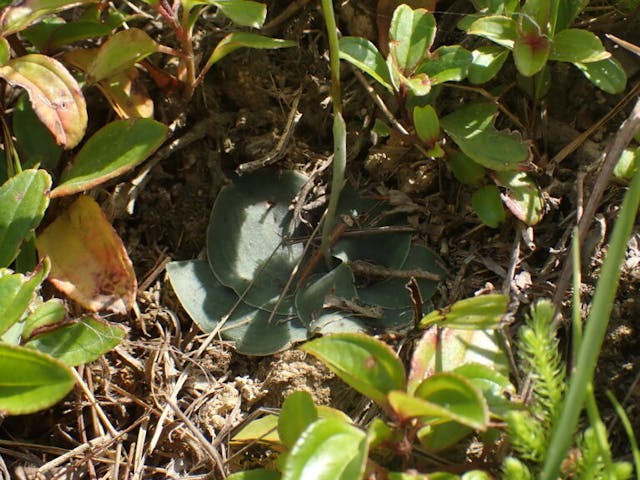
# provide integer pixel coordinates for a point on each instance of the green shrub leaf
(363, 54)
(576, 45)
(608, 75)
(256, 474)
(328, 450)
(486, 63)
(298, 412)
(366, 364)
(16, 292)
(236, 40)
(30, 380)
(114, 149)
(447, 64)
(50, 312)
(245, 13)
(481, 312)
(23, 201)
(487, 203)
(522, 197)
(426, 123)
(23, 14)
(411, 35)
(497, 28)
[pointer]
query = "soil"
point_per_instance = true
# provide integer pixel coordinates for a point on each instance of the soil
(249, 95)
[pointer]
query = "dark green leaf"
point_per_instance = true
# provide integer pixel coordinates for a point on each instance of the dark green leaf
(20, 15)
(575, 45)
(23, 201)
(466, 170)
(487, 203)
(30, 381)
(114, 149)
(486, 63)
(328, 450)
(471, 127)
(608, 75)
(366, 364)
(5, 51)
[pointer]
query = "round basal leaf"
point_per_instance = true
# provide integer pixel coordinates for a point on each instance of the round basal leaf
(208, 303)
(447, 64)
(246, 237)
(31, 381)
(298, 412)
(34, 141)
(89, 262)
(363, 54)
(23, 201)
(471, 127)
(119, 52)
(310, 299)
(54, 94)
(608, 75)
(366, 364)
(484, 311)
(487, 204)
(447, 349)
(497, 28)
(411, 35)
(576, 45)
(486, 63)
(50, 312)
(522, 197)
(493, 385)
(329, 449)
(465, 169)
(236, 40)
(80, 342)
(392, 293)
(17, 292)
(426, 123)
(114, 149)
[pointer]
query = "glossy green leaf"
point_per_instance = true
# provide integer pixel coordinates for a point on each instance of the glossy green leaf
(441, 436)
(16, 293)
(48, 313)
(568, 10)
(23, 201)
(530, 53)
(497, 28)
(54, 94)
(262, 430)
(366, 364)
(443, 397)
(34, 141)
(79, 342)
(245, 13)
(119, 52)
(208, 303)
(576, 45)
(114, 149)
(298, 412)
(30, 380)
(328, 450)
(256, 474)
(411, 35)
(447, 349)
(487, 204)
(471, 127)
(608, 75)
(484, 311)
(447, 64)
(379, 432)
(363, 54)
(236, 40)
(22, 14)
(494, 386)
(426, 123)
(466, 170)
(5, 51)
(486, 63)
(248, 223)
(522, 197)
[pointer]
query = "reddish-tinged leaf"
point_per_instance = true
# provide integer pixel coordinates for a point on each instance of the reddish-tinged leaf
(23, 13)
(54, 94)
(88, 260)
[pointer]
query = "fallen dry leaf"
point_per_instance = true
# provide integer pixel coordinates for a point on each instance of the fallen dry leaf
(88, 260)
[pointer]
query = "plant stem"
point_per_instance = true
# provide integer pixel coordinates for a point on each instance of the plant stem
(339, 129)
(564, 428)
